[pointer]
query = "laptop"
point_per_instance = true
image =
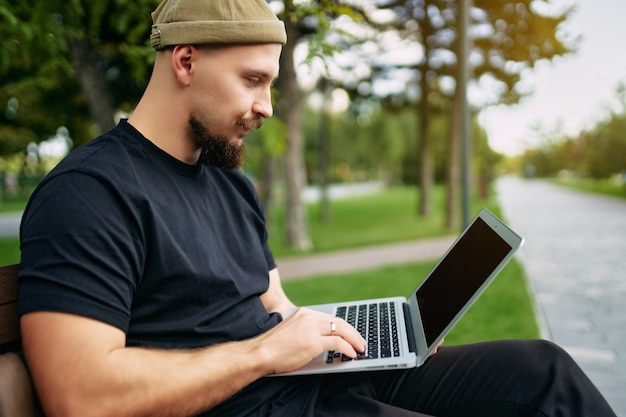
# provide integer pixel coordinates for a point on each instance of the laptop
(413, 327)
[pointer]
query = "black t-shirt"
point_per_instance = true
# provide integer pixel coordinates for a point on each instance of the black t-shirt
(174, 255)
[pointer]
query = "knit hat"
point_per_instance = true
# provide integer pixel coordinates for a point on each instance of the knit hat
(178, 22)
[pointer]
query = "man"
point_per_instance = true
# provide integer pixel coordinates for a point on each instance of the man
(147, 287)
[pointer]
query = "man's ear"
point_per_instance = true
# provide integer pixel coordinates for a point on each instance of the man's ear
(181, 63)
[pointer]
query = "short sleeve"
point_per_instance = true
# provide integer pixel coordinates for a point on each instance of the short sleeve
(81, 249)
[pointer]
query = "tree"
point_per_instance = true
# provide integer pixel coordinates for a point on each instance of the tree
(67, 62)
(30, 79)
(507, 38)
(290, 110)
(308, 21)
(92, 59)
(605, 147)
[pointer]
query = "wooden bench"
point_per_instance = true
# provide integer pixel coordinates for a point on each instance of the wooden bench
(17, 396)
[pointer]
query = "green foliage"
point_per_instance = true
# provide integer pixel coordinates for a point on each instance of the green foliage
(14, 139)
(314, 19)
(606, 148)
(271, 139)
(508, 37)
(38, 73)
(486, 161)
(521, 33)
(383, 144)
(598, 153)
(362, 147)
(31, 72)
(615, 187)
(263, 145)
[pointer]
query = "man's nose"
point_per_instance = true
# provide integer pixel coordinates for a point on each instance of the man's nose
(263, 105)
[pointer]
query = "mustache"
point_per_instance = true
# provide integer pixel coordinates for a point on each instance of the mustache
(250, 124)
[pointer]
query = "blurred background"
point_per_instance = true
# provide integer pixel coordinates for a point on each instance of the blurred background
(376, 104)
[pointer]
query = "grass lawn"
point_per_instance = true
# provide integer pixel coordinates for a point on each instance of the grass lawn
(12, 205)
(9, 251)
(606, 187)
(386, 217)
(504, 311)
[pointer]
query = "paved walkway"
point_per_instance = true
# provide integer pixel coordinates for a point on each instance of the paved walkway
(575, 258)
(10, 224)
(362, 259)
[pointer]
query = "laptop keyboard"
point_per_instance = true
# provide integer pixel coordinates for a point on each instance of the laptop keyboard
(377, 324)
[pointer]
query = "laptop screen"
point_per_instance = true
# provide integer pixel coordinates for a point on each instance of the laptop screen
(459, 275)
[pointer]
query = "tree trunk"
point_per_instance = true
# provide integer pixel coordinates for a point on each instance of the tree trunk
(297, 235)
(425, 175)
(92, 83)
(265, 187)
(453, 178)
(324, 155)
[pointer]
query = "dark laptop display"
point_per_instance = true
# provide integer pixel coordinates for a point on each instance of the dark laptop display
(458, 277)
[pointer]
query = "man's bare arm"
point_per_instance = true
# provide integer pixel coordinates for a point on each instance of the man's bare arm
(81, 367)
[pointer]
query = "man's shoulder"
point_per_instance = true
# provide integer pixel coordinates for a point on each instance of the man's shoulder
(103, 163)
(103, 152)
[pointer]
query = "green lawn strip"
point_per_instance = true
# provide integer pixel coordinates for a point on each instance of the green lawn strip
(9, 251)
(604, 187)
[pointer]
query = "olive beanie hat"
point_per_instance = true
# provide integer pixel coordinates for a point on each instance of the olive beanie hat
(178, 22)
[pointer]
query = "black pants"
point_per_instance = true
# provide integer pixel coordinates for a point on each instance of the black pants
(503, 379)
(500, 379)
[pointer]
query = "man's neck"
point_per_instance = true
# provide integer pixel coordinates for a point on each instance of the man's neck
(160, 120)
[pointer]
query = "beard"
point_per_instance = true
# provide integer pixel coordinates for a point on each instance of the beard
(219, 151)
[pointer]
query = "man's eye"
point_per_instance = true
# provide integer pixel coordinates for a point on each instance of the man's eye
(254, 81)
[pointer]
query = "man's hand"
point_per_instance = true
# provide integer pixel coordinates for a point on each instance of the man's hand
(304, 335)
(437, 348)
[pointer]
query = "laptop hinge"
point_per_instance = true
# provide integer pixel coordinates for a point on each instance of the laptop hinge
(408, 323)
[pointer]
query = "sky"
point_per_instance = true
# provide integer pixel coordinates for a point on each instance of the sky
(571, 93)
